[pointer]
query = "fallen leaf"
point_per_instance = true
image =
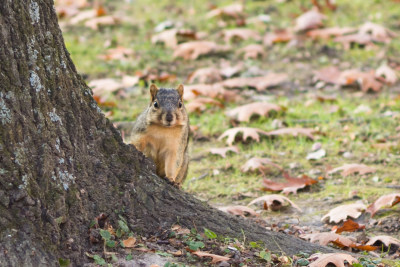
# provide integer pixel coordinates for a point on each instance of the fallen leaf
(309, 20)
(348, 169)
(387, 73)
(253, 51)
(308, 132)
(245, 112)
(260, 83)
(377, 32)
(253, 133)
(240, 34)
(356, 38)
(337, 259)
(180, 230)
(235, 11)
(103, 86)
(278, 36)
(171, 37)
(223, 150)
(200, 104)
(130, 242)
(239, 211)
(384, 201)
(291, 185)
(230, 71)
(338, 240)
(94, 23)
(118, 53)
(195, 49)
(329, 74)
(82, 16)
(260, 164)
(388, 241)
(215, 258)
(328, 237)
(205, 75)
(274, 202)
(341, 213)
(349, 226)
(327, 33)
(366, 80)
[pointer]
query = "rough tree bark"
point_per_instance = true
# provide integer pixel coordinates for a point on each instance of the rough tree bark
(62, 163)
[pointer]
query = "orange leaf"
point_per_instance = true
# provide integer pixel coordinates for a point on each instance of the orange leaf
(337, 259)
(349, 226)
(130, 242)
(291, 185)
(384, 201)
(215, 258)
(245, 112)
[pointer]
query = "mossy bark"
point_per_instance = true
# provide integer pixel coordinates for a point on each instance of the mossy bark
(62, 163)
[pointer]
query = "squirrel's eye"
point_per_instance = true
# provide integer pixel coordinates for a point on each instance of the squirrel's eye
(180, 104)
(155, 104)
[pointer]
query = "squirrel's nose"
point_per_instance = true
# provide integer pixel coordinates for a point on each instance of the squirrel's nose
(169, 117)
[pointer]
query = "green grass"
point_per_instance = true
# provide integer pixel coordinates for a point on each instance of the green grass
(224, 179)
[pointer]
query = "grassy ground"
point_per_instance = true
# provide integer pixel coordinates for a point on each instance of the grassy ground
(220, 181)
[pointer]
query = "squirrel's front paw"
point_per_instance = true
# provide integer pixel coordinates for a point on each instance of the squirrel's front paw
(171, 182)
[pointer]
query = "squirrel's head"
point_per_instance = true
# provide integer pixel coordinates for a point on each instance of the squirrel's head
(166, 106)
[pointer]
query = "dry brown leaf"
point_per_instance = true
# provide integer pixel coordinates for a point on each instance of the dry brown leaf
(332, 258)
(253, 51)
(205, 75)
(82, 16)
(171, 37)
(200, 104)
(192, 50)
(214, 91)
(235, 11)
(274, 202)
(253, 133)
(310, 20)
(356, 38)
(245, 112)
(384, 201)
(377, 32)
(366, 80)
(278, 36)
(291, 185)
(348, 169)
(349, 226)
(94, 23)
(260, 164)
(341, 213)
(338, 240)
(180, 230)
(329, 32)
(387, 73)
(240, 34)
(215, 258)
(260, 83)
(103, 86)
(239, 211)
(383, 239)
(329, 74)
(130, 242)
(223, 150)
(118, 53)
(230, 71)
(308, 132)
(328, 237)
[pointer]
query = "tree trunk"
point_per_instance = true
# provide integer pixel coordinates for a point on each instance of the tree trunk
(62, 163)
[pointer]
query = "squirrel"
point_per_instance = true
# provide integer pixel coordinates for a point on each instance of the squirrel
(161, 132)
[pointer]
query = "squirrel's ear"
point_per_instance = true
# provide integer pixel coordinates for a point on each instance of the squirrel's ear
(180, 90)
(153, 91)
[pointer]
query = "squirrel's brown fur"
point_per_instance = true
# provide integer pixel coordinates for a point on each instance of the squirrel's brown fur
(161, 132)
